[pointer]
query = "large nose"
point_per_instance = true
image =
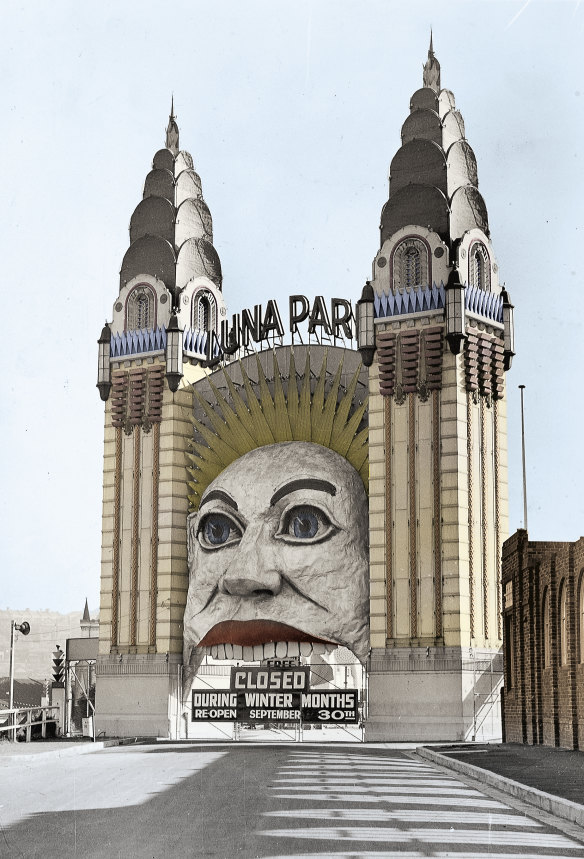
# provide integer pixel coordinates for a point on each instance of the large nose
(252, 572)
(239, 583)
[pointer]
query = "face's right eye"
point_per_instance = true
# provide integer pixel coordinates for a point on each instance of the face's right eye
(217, 530)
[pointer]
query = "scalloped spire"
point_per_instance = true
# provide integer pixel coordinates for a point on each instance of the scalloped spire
(172, 130)
(433, 180)
(431, 77)
(171, 229)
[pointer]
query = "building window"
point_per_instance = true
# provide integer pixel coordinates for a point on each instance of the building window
(479, 266)
(509, 650)
(410, 264)
(563, 624)
(546, 629)
(581, 615)
(204, 311)
(140, 309)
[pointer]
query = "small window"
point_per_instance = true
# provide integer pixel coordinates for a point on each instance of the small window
(410, 264)
(140, 309)
(479, 267)
(204, 311)
(563, 624)
(546, 629)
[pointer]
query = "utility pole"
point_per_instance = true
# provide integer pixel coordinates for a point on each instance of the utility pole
(23, 627)
(522, 388)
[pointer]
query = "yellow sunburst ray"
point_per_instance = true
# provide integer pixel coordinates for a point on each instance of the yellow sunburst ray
(302, 431)
(292, 395)
(239, 436)
(261, 430)
(225, 429)
(283, 428)
(346, 436)
(325, 428)
(358, 451)
(343, 409)
(267, 403)
(225, 453)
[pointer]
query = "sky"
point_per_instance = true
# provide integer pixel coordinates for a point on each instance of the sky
(292, 110)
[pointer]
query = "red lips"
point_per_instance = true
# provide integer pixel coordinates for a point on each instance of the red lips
(254, 632)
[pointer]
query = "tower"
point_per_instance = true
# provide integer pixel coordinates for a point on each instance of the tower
(438, 474)
(161, 336)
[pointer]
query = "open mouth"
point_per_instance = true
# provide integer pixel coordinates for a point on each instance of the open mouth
(261, 639)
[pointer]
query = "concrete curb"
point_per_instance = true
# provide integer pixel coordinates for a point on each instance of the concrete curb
(555, 805)
(61, 751)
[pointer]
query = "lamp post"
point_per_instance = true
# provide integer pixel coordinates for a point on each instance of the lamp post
(455, 325)
(23, 627)
(104, 382)
(366, 325)
(174, 352)
(508, 327)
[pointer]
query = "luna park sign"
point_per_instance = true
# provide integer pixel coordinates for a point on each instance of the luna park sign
(258, 325)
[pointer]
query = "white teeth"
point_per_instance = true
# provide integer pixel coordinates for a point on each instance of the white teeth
(270, 650)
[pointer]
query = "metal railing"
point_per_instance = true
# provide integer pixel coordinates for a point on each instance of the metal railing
(27, 718)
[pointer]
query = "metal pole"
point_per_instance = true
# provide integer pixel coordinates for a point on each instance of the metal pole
(12, 734)
(522, 388)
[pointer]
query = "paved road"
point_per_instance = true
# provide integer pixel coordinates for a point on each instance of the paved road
(169, 802)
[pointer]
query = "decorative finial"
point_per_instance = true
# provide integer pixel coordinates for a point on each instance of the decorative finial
(172, 130)
(431, 76)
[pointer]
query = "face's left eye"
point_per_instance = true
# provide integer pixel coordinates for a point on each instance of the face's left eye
(305, 524)
(217, 530)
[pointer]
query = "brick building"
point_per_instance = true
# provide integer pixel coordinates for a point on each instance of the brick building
(543, 642)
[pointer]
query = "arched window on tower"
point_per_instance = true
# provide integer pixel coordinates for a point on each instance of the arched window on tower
(410, 264)
(479, 273)
(204, 311)
(140, 309)
(563, 624)
(546, 629)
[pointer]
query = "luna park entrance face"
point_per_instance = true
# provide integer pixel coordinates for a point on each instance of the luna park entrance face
(317, 698)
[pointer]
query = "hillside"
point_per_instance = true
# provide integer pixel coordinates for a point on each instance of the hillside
(33, 653)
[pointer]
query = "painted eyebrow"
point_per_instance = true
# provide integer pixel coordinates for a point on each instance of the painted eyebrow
(220, 496)
(306, 483)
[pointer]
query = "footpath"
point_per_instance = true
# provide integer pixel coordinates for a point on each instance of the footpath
(552, 779)
(42, 748)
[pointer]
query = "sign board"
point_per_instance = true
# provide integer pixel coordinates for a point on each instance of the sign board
(270, 678)
(336, 320)
(82, 649)
(275, 694)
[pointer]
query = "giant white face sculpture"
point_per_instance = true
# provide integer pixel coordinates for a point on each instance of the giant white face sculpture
(278, 556)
